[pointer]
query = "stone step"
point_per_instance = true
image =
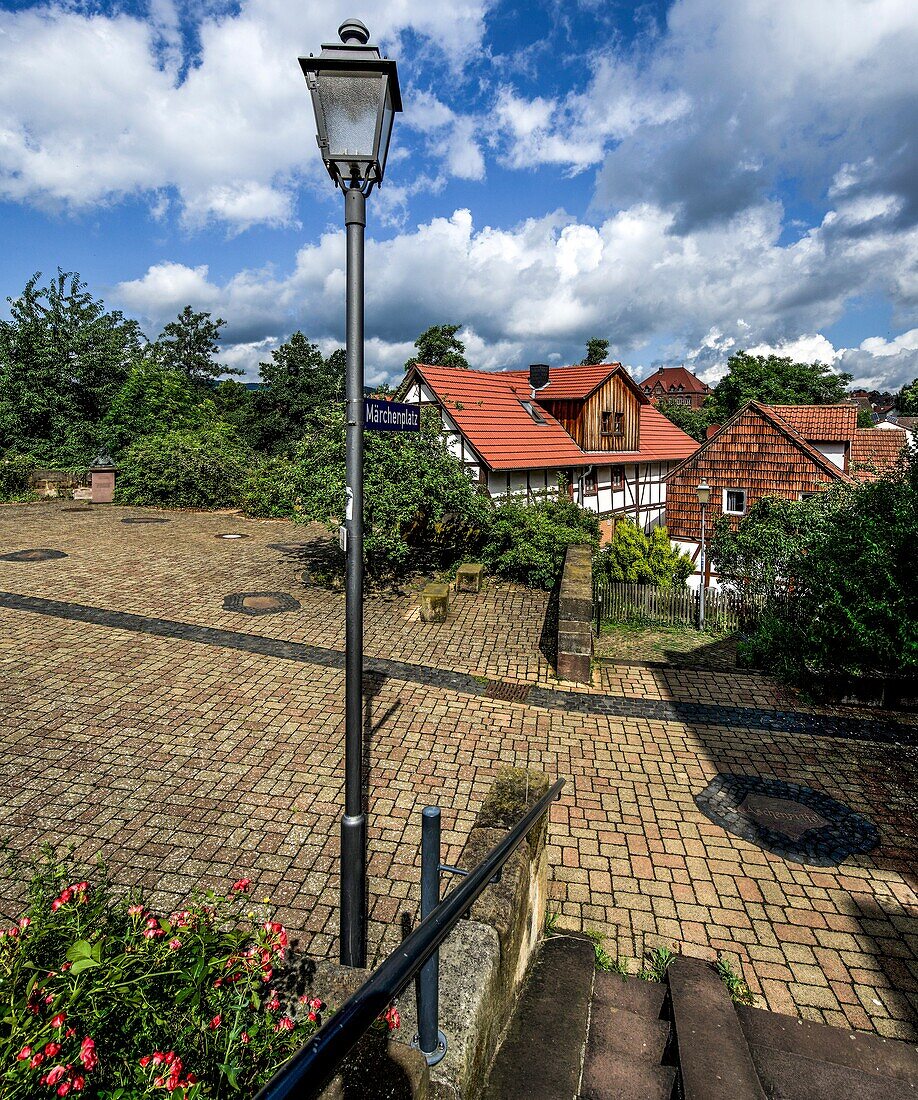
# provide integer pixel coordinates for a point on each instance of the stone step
(541, 1057)
(640, 1037)
(630, 995)
(812, 1061)
(714, 1058)
(607, 1075)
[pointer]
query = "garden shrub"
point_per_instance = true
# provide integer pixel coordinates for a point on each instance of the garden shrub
(14, 476)
(184, 469)
(527, 542)
(105, 998)
(152, 400)
(639, 558)
(272, 488)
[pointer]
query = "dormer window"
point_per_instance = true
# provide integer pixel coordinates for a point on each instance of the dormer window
(612, 423)
(619, 423)
(537, 417)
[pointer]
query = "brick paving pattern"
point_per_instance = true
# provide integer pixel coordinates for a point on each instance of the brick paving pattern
(187, 759)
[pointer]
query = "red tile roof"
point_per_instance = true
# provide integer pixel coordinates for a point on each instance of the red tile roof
(671, 378)
(487, 408)
(823, 423)
(874, 451)
(567, 383)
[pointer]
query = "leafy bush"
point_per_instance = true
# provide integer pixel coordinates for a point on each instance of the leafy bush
(14, 476)
(184, 469)
(272, 488)
(105, 998)
(527, 542)
(836, 574)
(638, 558)
(154, 399)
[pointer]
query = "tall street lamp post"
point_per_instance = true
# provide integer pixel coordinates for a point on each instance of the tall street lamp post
(703, 492)
(355, 95)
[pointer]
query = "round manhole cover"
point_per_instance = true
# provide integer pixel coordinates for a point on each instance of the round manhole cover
(795, 822)
(33, 555)
(231, 535)
(260, 603)
(145, 519)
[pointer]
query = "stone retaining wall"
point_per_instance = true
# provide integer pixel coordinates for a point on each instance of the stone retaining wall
(575, 615)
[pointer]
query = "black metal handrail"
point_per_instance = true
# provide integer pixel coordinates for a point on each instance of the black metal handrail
(310, 1069)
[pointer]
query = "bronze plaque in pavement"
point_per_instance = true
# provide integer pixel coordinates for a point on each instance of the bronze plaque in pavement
(793, 819)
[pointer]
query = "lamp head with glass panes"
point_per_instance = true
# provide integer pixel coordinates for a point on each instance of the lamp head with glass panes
(355, 95)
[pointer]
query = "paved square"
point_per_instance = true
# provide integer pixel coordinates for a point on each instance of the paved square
(191, 743)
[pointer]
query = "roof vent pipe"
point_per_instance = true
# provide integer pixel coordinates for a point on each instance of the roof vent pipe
(538, 377)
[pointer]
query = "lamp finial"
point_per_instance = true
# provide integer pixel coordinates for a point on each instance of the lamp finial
(352, 30)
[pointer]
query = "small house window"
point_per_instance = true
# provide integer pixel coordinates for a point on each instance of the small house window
(606, 427)
(618, 478)
(619, 423)
(735, 502)
(590, 483)
(806, 495)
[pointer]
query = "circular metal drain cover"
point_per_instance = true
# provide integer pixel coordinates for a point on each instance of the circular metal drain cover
(33, 555)
(260, 603)
(788, 820)
(231, 535)
(145, 519)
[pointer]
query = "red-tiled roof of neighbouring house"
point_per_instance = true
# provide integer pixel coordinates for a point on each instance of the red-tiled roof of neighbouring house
(823, 423)
(671, 378)
(875, 450)
(567, 383)
(487, 408)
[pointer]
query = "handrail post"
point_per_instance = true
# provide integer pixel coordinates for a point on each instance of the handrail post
(429, 1039)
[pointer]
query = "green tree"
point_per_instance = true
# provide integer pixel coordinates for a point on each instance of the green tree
(865, 418)
(419, 506)
(596, 352)
(638, 558)
(836, 573)
(438, 346)
(300, 386)
(190, 343)
(63, 357)
(155, 399)
(907, 400)
(694, 422)
(774, 380)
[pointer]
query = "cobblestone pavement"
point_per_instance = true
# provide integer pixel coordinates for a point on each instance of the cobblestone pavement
(197, 755)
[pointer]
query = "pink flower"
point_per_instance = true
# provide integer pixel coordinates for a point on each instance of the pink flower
(274, 1004)
(24, 923)
(25, 1053)
(242, 885)
(175, 944)
(54, 1075)
(51, 1049)
(59, 1020)
(37, 1060)
(284, 1024)
(135, 910)
(244, 1037)
(63, 1088)
(215, 1022)
(88, 1055)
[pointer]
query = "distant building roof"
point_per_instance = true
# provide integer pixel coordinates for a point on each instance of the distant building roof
(489, 408)
(675, 380)
(823, 423)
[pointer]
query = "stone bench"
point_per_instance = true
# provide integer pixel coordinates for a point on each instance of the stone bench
(469, 576)
(434, 603)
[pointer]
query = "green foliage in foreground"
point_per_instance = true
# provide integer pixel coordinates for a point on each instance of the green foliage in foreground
(639, 558)
(837, 576)
(14, 476)
(112, 1000)
(528, 542)
(907, 399)
(184, 469)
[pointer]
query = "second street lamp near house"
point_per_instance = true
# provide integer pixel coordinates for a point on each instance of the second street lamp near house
(703, 492)
(355, 95)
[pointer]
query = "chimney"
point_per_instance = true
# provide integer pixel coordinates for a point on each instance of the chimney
(538, 376)
(713, 429)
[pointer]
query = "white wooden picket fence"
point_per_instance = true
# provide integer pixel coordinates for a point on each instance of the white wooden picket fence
(613, 602)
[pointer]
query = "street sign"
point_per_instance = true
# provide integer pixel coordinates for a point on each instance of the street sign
(390, 416)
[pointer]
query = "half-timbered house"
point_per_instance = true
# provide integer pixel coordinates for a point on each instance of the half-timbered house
(520, 433)
(788, 451)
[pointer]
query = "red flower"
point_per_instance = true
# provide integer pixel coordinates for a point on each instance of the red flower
(242, 885)
(26, 1052)
(145, 1061)
(51, 1049)
(63, 1088)
(79, 1083)
(135, 910)
(175, 944)
(66, 966)
(215, 1022)
(55, 1074)
(284, 1024)
(24, 923)
(59, 1020)
(244, 1037)
(37, 1060)
(88, 1055)
(392, 1018)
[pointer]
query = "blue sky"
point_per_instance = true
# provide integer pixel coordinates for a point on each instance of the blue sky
(684, 178)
